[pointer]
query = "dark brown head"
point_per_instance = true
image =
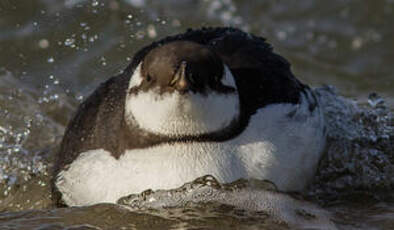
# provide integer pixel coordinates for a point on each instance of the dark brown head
(182, 89)
(183, 66)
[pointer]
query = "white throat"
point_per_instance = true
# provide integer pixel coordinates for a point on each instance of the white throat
(174, 114)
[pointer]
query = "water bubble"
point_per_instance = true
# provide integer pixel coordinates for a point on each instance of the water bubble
(69, 41)
(95, 3)
(43, 43)
(282, 35)
(103, 61)
(151, 31)
(51, 60)
(93, 38)
(357, 43)
(54, 97)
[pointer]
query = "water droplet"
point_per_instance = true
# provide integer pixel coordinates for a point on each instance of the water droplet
(69, 41)
(54, 97)
(95, 3)
(151, 31)
(51, 60)
(282, 35)
(357, 43)
(43, 43)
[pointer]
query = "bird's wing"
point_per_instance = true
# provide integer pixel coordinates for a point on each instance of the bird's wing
(97, 121)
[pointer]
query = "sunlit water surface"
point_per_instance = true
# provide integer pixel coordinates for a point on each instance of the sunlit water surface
(54, 53)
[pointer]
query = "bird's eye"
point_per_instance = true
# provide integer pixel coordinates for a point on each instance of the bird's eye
(148, 78)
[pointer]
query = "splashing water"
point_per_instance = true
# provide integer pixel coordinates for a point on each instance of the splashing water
(359, 153)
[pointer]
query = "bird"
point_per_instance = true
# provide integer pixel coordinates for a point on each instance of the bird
(209, 101)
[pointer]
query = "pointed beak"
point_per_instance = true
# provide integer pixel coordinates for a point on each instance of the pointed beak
(180, 81)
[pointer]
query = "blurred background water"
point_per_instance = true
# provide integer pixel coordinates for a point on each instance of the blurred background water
(54, 53)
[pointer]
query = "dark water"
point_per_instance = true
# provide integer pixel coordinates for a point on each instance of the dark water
(54, 53)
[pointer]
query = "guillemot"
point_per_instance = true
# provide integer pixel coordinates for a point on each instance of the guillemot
(213, 101)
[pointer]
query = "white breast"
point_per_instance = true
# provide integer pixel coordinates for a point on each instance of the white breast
(281, 148)
(173, 114)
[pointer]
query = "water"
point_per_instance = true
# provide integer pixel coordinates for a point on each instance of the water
(54, 53)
